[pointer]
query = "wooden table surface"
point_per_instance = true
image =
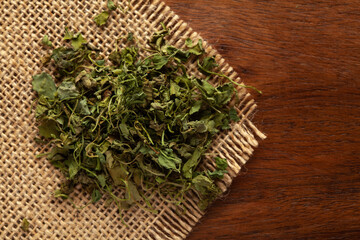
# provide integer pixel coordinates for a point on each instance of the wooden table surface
(303, 182)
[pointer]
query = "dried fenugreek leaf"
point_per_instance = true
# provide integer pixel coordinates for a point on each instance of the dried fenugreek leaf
(25, 225)
(137, 124)
(102, 18)
(46, 41)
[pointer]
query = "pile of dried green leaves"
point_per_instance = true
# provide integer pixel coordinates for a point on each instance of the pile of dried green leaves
(141, 124)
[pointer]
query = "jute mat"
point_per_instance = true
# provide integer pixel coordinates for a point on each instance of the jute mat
(27, 183)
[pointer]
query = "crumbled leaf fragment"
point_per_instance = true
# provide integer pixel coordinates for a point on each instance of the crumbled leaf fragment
(95, 196)
(73, 169)
(192, 163)
(49, 129)
(159, 61)
(102, 18)
(169, 160)
(207, 65)
(206, 189)
(196, 49)
(102, 180)
(67, 90)
(44, 85)
(25, 224)
(111, 5)
(46, 41)
(130, 37)
(68, 34)
(83, 108)
(132, 193)
(221, 165)
(233, 115)
(77, 41)
(196, 107)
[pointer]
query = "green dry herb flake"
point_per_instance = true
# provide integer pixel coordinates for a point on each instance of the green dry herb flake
(233, 115)
(95, 196)
(207, 65)
(196, 49)
(130, 37)
(191, 164)
(102, 18)
(137, 124)
(44, 85)
(25, 225)
(206, 189)
(169, 160)
(221, 165)
(76, 39)
(46, 41)
(67, 90)
(111, 5)
(48, 129)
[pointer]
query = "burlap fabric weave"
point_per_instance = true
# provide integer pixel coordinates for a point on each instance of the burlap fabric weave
(27, 183)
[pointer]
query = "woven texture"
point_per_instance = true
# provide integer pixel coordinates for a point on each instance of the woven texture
(27, 182)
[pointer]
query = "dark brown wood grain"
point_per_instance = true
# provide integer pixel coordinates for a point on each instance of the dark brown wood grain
(303, 182)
